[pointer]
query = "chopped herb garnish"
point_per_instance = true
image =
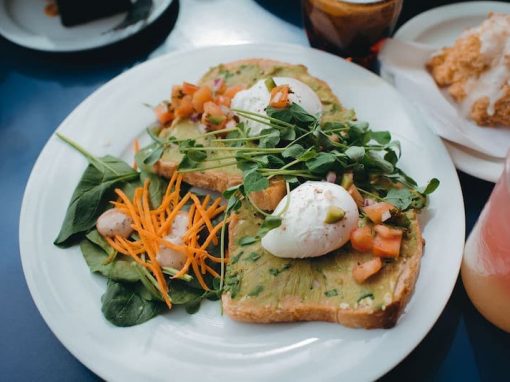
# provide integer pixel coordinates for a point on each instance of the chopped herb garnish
(275, 271)
(254, 256)
(256, 291)
(331, 293)
(366, 295)
(247, 240)
(236, 258)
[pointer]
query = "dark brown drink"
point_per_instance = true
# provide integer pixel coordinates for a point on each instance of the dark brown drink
(350, 28)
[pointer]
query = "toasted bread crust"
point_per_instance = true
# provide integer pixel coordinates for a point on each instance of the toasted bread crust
(210, 180)
(266, 200)
(293, 310)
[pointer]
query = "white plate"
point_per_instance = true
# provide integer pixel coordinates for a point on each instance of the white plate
(25, 23)
(207, 346)
(440, 27)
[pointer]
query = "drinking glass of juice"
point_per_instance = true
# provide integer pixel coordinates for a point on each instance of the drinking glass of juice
(486, 263)
(350, 28)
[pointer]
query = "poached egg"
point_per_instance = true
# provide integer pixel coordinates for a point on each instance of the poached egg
(256, 99)
(313, 224)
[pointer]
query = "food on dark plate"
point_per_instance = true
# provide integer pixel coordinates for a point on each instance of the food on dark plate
(75, 12)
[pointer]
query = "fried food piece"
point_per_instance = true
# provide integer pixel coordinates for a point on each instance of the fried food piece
(476, 71)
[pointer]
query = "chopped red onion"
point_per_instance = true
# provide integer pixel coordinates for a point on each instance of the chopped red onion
(195, 117)
(368, 202)
(218, 84)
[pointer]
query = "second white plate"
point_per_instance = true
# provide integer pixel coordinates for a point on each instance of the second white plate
(25, 23)
(440, 27)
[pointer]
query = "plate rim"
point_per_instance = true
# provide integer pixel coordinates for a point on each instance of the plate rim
(296, 49)
(83, 46)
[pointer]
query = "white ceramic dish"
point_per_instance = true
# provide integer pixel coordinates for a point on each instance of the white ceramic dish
(440, 27)
(207, 346)
(25, 23)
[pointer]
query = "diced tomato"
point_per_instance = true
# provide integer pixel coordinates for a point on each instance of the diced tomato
(387, 241)
(185, 108)
(233, 90)
(188, 88)
(362, 239)
(388, 232)
(200, 97)
(362, 272)
(353, 191)
(223, 100)
(213, 117)
(279, 96)
(177, 94)
(376, 212)
(163, 113)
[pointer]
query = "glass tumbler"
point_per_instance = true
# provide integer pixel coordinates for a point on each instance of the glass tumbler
(350, 28)
(486, 263)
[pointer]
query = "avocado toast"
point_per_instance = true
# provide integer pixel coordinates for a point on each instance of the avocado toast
(260, 287)
(316, 222)
(243, 73)
(263, 288)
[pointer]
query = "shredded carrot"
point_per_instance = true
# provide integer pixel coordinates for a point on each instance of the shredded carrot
(207, 221)
(152, 226)
(136, 149)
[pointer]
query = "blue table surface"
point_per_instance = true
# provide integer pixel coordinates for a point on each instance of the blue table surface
(38, 90)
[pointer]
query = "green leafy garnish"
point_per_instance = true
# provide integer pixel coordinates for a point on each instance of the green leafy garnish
(94, 191)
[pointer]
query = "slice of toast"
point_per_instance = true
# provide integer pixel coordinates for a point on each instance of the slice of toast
(262, 288)
(246, 72)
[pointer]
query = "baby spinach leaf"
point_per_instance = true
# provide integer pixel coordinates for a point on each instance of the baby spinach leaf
(124, 304)
(119, 270)
(181, 294)
(157, 187)
(91, 197)
(96, 238)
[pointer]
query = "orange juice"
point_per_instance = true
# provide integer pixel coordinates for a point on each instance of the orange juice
(486, 264)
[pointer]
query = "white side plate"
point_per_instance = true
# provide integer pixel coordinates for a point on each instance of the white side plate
(207, 346)
(440, 27)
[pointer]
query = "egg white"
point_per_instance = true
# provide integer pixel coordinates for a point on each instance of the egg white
(256, 99)
(303, 232)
